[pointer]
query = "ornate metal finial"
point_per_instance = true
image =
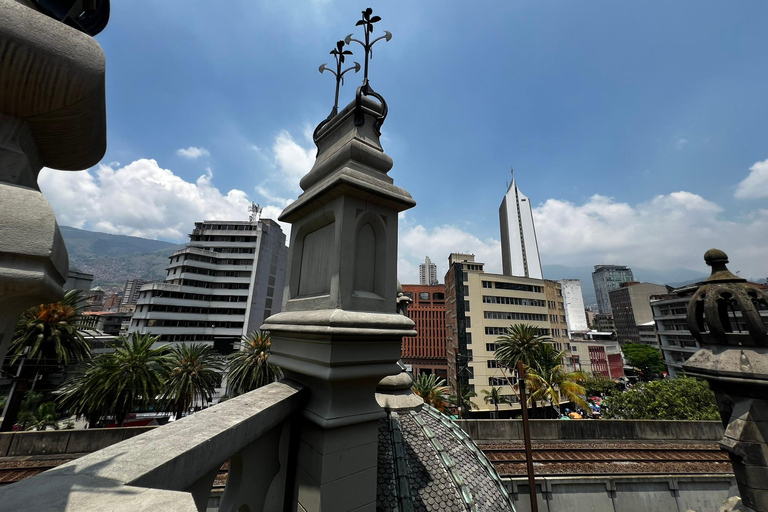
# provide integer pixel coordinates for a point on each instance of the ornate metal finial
(725, 310)
(338, 53)
(367, 22)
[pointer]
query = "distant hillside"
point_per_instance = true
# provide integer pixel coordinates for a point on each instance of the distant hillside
(674, 277)
(113, 259)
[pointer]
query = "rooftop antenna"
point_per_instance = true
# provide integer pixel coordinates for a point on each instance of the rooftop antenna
(254, 211)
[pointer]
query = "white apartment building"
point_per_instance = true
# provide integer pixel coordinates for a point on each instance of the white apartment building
(428, 273)
(222, 285)
(519, 247)
(575, 314)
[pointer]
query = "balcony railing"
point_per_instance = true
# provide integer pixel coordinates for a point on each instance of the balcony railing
(173, 467)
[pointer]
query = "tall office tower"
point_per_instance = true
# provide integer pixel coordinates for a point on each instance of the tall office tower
(575, 315)
(607, 278)
(519, 248)
(428, 273)
(131, 291)
(222, 285)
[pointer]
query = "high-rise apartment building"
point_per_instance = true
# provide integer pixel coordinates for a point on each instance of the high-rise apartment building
(607, 278)
(131, 291)
(428, 273)
(479, 308)
(632, 313)
(519, 248)
(426, 352)
(575, 314)
(222, 285)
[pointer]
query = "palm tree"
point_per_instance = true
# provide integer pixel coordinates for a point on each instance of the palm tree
(431, 389)
(549, 381)
(463, 401)
(249, 368)
(46, 336)
(520, 343)
(36, 415)
(194, 372)
(83, 395)
(495, 397)
(115, 384)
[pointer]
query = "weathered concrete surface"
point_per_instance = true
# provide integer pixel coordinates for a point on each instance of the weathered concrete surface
(666, 493)
(545, 430)
(53, 78)
(182, 457)
(58, 442)
(52, 113)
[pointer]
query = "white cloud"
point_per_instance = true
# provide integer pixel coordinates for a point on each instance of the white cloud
(754, 186)
(292, 161)
(669, 231)
(193, 152)
(417, 241)
(288, 163)
(681, 143)
(140, 199)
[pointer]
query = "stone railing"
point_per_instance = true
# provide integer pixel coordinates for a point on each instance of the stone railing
(174, 467)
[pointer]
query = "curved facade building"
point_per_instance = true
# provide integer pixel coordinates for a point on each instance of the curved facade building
(222, 285)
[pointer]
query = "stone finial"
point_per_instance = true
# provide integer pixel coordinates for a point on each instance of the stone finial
(725, 308)
(724, 315)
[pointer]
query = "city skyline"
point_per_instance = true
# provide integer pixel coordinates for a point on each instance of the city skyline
(640, 150)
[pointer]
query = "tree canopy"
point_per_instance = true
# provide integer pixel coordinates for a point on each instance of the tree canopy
(249, 367)
(646, 358)
(683, 398)
(597, 385)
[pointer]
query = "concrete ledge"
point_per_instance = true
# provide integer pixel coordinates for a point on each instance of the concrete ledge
(32, 443)
(175, 457)
(483, 430)
(701, 493)
(58, 442)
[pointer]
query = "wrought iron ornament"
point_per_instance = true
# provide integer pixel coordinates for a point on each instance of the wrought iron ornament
(365, 89)
(338, 53)
(367, 22)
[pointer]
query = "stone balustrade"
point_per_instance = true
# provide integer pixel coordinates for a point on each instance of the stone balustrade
(173, 467)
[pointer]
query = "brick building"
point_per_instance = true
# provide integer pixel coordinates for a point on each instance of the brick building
(426, 352)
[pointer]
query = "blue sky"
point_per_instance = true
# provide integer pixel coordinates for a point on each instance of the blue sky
(639, 129)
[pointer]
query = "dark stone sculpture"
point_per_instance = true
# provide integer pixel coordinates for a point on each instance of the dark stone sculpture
(724, 315)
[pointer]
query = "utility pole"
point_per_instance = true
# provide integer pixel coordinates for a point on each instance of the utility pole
(527, 437)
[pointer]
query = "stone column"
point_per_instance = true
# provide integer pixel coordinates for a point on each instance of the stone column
(724, 316)
(52, 114)
(339, 332)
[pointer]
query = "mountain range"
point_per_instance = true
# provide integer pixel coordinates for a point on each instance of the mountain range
(113, 259)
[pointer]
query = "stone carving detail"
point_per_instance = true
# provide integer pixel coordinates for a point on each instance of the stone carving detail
(725, 316)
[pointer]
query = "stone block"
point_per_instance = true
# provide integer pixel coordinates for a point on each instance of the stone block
(5, 442)
(39, 443)
(644, 496)
(755, 477)
(702, 495)
(544, 429)
(90, 440)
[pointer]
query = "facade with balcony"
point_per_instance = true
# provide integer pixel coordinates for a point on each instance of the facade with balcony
(221, 286)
